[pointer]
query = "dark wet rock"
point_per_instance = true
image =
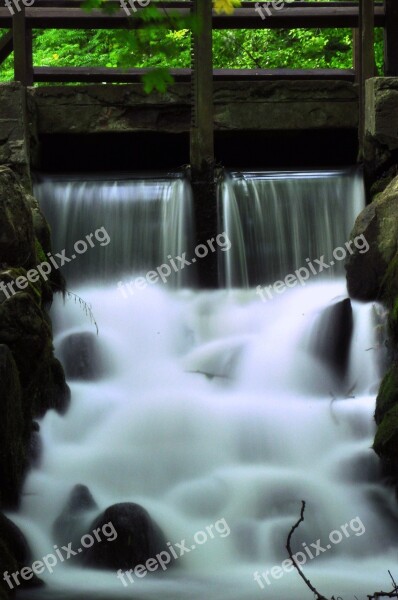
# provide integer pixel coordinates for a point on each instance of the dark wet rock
(14, 554)
(81, 356)
(138, 538)
(12, 429)
(73, 520)
(332, 337)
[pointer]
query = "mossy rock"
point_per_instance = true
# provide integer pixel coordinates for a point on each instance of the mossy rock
(388, 394)
(367, 276)
(16, 222)
(386, 440)
(10, 275)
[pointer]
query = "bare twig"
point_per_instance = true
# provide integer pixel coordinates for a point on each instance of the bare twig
(308, 583)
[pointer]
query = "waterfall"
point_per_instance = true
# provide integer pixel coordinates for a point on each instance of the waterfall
(215, 406)
(276, 221)
(131, 210)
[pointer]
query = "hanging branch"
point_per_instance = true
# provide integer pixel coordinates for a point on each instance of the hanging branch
(87, 308)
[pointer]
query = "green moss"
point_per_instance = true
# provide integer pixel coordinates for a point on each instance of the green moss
(40, 254)
(386, 440)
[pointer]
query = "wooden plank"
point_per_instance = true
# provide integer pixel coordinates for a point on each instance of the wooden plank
(23, 68)
(356, 53)
(391, 38)
(243, 18)
(108, 75)
(6, 46)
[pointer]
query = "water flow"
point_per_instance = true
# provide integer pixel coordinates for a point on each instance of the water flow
(146, 220)
(212, 406)
(277, 220)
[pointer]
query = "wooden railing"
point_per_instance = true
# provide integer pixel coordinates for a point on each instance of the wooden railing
(362, 16)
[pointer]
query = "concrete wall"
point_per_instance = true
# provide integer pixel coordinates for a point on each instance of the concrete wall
(274, 105)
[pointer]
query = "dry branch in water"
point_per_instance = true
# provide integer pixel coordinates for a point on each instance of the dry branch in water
(318, 596)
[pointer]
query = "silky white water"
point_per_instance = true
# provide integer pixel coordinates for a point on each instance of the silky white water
(213, 406)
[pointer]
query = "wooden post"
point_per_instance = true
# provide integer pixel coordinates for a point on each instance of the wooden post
(356, 54)
(391, 38)
(202, 139)
(366, 62)
(202, 136)
(6, 46)
(23, 54)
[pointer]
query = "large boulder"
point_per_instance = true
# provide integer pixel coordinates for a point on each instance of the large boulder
(138, 538)
(378, 222)
(34, 381)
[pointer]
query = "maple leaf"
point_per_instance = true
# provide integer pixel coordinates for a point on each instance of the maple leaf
(225, 6)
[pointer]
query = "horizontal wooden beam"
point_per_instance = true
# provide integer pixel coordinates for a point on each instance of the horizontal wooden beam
(6, 46)
(107, 75)
(309, 16)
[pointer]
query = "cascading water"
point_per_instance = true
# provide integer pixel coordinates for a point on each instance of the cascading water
(277, 220)
(215, 405)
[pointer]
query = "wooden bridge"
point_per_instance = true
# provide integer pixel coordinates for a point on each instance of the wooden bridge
(22, 17)
(360, 15)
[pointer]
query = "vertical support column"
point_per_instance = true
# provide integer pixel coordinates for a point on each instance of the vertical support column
(356, 53)
(391, 38)
(202, 138)
(23, 54)
(366, 61)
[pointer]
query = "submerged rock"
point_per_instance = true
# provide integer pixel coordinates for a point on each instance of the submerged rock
(138, 538)
(73, 520)
(81, 356)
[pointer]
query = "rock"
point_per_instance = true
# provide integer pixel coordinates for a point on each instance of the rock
(332, 337)
(378, 222)
(138, 539)
(386, 441)
(386, 416)
(16, 224)
(26, 332)
(71, 523)
(81, 356)
(14, 553)
(12, 429)
(35, 447)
